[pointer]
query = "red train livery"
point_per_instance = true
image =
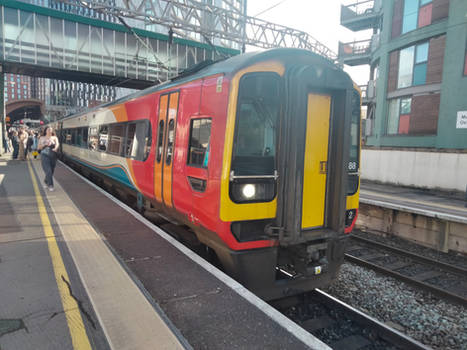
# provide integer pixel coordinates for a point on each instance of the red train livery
(252, 153)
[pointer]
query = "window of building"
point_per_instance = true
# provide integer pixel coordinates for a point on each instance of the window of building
(413, 65)
(399, 116)
(198, 148)
(417, 14)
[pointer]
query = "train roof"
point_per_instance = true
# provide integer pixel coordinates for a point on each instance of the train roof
(227, 66)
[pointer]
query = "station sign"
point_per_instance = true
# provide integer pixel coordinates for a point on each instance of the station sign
(461, 120)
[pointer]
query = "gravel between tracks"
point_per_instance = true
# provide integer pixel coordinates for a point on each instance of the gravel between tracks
(434, 322)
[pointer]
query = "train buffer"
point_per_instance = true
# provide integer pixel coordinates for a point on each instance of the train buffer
(79, 270)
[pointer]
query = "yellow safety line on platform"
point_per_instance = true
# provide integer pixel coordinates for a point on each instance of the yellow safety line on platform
(416, 201)
(78, 334)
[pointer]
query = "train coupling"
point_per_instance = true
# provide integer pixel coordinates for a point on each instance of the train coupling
(303, 260)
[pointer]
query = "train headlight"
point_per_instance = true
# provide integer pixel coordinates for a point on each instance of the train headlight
(252, 190)
(249, 191)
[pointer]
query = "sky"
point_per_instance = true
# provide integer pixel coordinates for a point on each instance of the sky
(319, 18)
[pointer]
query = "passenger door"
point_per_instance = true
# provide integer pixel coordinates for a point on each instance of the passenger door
(167, 123)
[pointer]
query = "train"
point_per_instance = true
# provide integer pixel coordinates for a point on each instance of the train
(256, 155)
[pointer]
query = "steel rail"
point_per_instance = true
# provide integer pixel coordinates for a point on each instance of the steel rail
(409, 280)
(415, 256)
(387, 333)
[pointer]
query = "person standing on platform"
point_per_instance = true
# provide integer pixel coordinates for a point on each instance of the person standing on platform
(29, 143)
(35, 142)
(15, 143)
(22, 138)
(48, 145)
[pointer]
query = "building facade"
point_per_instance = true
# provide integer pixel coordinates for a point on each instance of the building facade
(416, 126)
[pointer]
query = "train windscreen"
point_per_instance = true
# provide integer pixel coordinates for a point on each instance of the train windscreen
(256, 125)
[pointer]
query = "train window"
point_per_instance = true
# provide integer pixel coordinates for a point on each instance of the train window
(170, 142)
(116, 134)
(73, 136)
(84, 137)
(68, 136)
(256, 125)
(138, 142)
(148, 140)
(160, 139)
(79, 137)
(130, 141)
(103, 137)
(353, 165)
(198, 151)
(93, 138)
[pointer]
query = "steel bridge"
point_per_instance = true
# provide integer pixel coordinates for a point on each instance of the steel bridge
(40, 41)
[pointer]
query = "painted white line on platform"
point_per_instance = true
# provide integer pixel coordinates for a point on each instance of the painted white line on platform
(279, 318)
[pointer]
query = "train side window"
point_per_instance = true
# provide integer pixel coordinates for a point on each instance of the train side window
(79, 137)
(131, 140)
(138, 140)
(170, 143)
(160, 139)
(84, 137)
(73, 136)
(198, 151)
(103, 137)
(116, 134)
(68, 136)
(93, 138)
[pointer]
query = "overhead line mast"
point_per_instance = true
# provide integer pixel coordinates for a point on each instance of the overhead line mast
(185, 16)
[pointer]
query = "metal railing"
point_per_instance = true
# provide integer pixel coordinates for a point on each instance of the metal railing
(355, 48)
(360, 8)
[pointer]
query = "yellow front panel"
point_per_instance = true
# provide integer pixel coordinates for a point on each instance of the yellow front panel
(315, 162)
(230, 211)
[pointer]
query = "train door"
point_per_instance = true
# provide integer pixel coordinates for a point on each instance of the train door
(167, 122)
(316, 160)
(313, 155)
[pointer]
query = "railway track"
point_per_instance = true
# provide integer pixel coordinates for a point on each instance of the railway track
(340, 325)
(441, 279)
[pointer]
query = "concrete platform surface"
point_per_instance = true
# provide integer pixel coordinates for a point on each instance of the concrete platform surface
(61, 286)
(83, 271)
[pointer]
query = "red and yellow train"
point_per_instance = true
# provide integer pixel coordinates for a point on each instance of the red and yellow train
(258, 154)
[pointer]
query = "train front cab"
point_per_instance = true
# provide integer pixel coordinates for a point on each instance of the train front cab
(285, 173)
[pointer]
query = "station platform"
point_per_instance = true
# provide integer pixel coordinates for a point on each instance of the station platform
(424, 200)
(80, 270)
(432, 218)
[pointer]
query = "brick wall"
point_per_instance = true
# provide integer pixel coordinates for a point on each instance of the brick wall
(393, 70)
(397, 18)
(440, 10)
(424, 116)
(435, 60)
